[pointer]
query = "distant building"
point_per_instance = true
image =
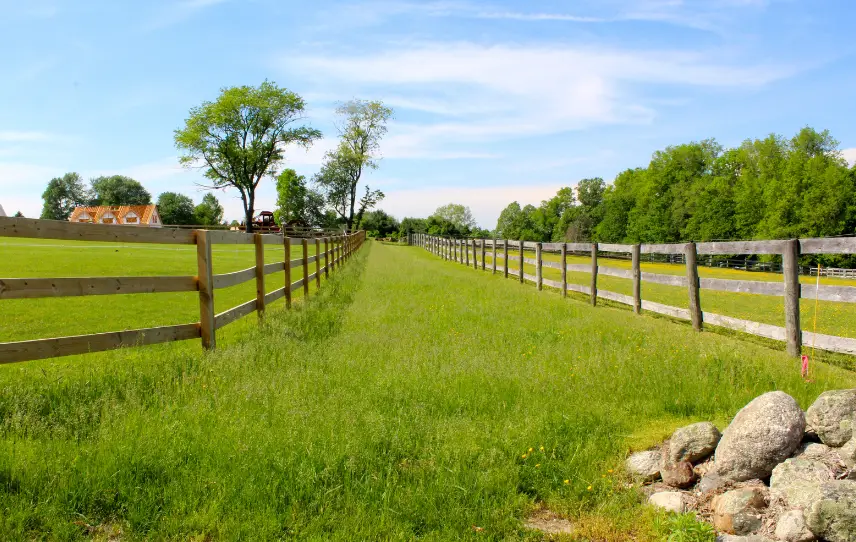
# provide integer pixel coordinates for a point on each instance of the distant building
(2, 212)
(125, 215)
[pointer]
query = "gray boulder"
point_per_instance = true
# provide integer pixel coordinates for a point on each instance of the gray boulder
(791, 527)
(833, 516)
(813, 450)
(798, 481)
(670, 501)
(710, 482)
(763, 434)
(693, 442)
(644, 465)
(847, 453)
(832, 416)
(739, 511)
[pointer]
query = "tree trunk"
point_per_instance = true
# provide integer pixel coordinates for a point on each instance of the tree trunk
(248, 213)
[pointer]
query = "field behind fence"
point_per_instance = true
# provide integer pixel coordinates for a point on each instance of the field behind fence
(560, 260)
(331, 250)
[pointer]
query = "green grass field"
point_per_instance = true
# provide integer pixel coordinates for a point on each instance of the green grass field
(408, 398)
(830, 318)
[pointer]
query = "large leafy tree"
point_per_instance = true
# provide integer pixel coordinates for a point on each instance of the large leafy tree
(379, 222)
(362, 127)
(176, 209)
(240, 137)
(118, 190)
(62, 195)
(297, 202)
(209, 212)
(458, 215)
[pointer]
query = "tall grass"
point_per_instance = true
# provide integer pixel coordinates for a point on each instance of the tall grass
(399, 402)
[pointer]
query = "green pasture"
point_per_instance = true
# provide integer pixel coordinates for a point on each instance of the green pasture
(25, 319)
(829, 317)
(409, 398)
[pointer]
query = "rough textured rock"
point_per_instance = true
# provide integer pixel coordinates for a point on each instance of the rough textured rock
(798, 481)
(847, 453)
(813, 450)
(671, 501)
(832, 416)
(791, 527)
(693, 442)
(833, 516)
(763, 434)
(680, 475)
(644, 465)
(738, 511)
(711, 482)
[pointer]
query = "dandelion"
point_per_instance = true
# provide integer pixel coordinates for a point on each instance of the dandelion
(567, 482)
(523, 456)
(537, 465)
(609, 471)
(541, 448)
(588, 488)
(530, 450)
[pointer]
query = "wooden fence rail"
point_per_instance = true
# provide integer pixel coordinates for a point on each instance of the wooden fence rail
(790, 287)
(336, 249)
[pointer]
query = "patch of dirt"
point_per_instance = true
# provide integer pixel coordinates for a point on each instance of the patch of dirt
(549, 523)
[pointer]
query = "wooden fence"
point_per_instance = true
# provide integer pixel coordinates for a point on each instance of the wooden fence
(336, 249)
(790, 288)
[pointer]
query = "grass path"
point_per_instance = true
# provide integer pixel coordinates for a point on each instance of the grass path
(409, 398)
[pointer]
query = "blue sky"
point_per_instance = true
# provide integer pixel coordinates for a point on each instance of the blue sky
(495, 101)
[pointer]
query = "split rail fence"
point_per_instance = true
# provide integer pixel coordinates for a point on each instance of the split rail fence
(336, 249)
(502, 251)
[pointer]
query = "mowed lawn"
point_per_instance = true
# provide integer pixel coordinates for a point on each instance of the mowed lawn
(829, 317)
(408, 398)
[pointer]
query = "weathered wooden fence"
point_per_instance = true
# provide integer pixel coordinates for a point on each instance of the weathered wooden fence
(498, 250)
(335, 250)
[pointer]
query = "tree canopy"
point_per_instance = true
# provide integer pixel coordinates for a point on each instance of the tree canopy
(176, 209)
(239, 138)
(209, 212)
(118, 190)
(62, 195)
(379, 223)
(363, 126)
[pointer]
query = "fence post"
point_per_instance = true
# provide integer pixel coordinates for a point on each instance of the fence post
(790, 267)
(286, 242)
(493, 264)
(564, 270)
(538, 271)
(326, 257)
(317, 262)
(637, 279)
(483, 251)
(466, 248)
(305, 243)
(260, 274)
(521, 261)
(693, 286)
(594, 274)
(505, 255)
(206, 290)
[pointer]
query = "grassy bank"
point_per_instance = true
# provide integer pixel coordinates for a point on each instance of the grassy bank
(410, 398)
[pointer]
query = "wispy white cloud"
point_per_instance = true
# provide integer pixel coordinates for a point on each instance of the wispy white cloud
(849, 155)
(509, 91)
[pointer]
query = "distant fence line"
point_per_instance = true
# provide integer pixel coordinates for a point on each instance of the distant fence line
(790, 288)
(336, 249)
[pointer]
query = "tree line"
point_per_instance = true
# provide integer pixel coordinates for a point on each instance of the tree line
(65, 193)
(238, 141)
(771, 188)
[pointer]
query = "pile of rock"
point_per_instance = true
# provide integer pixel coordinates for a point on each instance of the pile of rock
(775, 473)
